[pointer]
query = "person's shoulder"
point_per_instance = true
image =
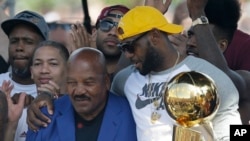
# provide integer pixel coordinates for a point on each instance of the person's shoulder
(60, 104)
(198, 64)
(197, 60)
(124, 73)
(119, 100)
(118, 104)
(115, 96)
(193, 59)
(4, 76)
(245, 74)
(127, 69)
(63, 100)
(120, 79)
(240, 38)
(241, 34)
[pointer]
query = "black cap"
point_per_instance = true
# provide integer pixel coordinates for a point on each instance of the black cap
(29, 18)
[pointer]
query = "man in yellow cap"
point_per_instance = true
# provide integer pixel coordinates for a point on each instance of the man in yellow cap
(144, 40)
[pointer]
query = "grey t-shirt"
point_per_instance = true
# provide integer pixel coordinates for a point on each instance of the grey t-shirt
(133, 85)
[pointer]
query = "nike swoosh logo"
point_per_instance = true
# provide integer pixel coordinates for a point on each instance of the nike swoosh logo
(139, 104)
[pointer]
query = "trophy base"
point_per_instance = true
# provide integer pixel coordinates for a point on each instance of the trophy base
(185, 134)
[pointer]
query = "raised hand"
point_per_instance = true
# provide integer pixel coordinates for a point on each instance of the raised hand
(50, 87)
(179, 42)
(161, 5)
(79, 37)
(196, 8)
(15, 109)
(6, 87)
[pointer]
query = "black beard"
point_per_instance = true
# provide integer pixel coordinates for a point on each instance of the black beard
(22, 73)
(152, 60)
(112, 57)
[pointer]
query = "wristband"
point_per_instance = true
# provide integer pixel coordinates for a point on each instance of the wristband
(201, 20)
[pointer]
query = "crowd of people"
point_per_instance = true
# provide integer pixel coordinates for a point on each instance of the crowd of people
(110, 84)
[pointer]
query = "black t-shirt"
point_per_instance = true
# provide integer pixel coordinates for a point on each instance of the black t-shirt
(88, 130)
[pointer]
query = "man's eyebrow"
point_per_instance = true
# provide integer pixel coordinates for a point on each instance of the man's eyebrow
(22, 38)
(49, 59)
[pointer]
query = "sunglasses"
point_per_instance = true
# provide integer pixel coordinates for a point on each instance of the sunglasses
(130, 45)
(107, 25)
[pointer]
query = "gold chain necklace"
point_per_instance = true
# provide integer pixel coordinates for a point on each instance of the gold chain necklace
(155, 115)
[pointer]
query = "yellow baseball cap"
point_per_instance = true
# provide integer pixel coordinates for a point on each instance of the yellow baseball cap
(144, 18)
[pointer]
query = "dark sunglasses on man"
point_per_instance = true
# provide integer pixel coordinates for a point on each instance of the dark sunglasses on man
(129, 46)
(106, 25)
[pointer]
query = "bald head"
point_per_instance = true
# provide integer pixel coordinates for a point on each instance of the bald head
(88, 55)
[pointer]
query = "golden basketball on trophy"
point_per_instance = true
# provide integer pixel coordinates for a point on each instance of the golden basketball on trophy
(191, 100)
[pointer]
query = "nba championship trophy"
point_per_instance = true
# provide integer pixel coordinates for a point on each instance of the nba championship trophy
(191, 100)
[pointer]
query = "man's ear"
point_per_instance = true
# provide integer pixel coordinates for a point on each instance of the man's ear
(223, 44)
(154, 36)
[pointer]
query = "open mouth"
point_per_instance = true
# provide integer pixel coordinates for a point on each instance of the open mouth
(191, 51)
